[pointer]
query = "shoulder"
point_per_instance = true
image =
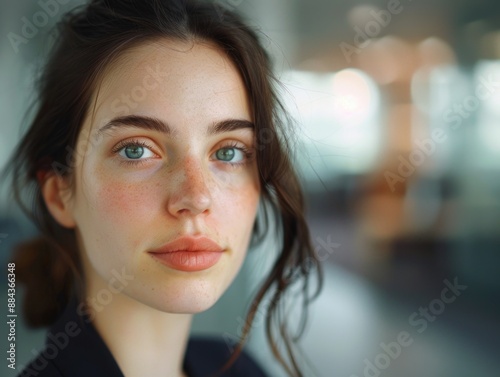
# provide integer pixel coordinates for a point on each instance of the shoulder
(208, 355)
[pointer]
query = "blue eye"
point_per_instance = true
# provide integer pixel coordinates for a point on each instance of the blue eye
(134, 151)
(230, 154)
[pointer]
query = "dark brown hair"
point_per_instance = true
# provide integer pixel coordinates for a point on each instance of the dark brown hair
(93, 36)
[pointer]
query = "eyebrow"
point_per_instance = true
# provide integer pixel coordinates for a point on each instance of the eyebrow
(155, 124)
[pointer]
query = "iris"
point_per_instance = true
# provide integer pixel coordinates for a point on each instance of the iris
(134, 151)
(225, 154)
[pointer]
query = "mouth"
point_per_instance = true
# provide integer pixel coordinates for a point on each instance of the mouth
(189, 254)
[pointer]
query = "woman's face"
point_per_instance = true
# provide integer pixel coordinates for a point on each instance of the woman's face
(139, 187)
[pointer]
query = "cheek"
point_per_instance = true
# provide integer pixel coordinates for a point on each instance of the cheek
(238, 210)
(122, 198)
(112, 213)
(235, 204)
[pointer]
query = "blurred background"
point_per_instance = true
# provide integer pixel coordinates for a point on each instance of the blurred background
(397, 109)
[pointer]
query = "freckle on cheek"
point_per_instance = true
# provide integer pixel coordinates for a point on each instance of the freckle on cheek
(114, 199)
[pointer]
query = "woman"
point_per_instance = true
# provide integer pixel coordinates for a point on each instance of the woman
(156, 139)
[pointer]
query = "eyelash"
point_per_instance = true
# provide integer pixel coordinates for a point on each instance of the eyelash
(247, 152)
(132, 143)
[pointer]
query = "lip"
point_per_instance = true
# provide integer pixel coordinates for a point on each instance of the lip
(189, 253)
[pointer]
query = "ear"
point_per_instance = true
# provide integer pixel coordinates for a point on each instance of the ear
(57, 194)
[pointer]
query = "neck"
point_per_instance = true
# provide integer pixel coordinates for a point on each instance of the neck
(144, 341)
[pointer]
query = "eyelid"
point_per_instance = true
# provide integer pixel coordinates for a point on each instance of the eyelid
(134, 141)
(130, 161)
(238, 142)
(234, 144)
(248, 152)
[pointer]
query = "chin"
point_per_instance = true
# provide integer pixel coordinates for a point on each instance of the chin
(186, 296)
(181, 292)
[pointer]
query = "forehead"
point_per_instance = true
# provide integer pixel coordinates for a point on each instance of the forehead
(171, 77)
(174, 57)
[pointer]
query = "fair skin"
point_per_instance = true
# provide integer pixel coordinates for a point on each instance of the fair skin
(182, 185)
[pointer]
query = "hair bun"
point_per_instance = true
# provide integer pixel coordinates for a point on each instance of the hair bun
(45, 278)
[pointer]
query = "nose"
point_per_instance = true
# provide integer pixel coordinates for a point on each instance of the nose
(191, 194)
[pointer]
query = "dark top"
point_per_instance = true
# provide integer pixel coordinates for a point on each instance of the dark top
(74, 348)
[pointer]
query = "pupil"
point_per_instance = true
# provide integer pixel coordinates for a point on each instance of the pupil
(134, 151)
(225, 154)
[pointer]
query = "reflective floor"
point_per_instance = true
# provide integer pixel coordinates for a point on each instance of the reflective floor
(355, 327)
